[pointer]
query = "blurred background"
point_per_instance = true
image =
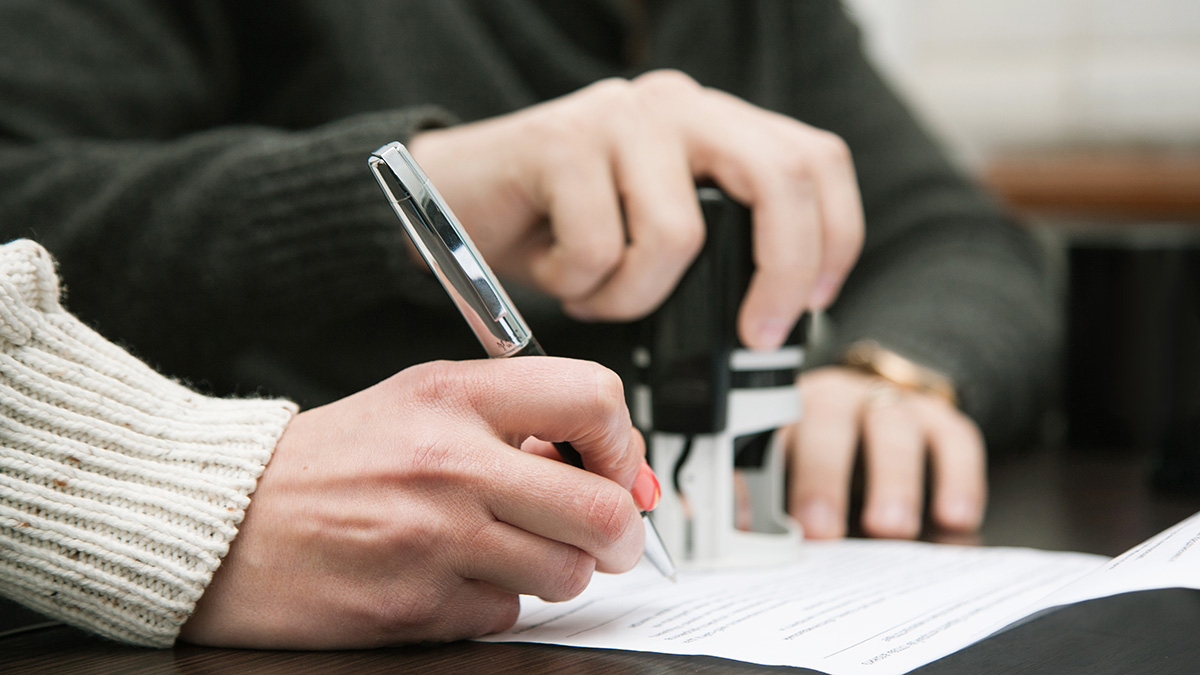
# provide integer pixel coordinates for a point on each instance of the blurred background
(1084, 117)
(994, 76)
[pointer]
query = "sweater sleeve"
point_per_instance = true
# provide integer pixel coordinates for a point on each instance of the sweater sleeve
(120, 151)
(945, 277)
(120, 490)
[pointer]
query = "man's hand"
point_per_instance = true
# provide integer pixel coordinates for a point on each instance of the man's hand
(592, 197)
(900, 432)
(418, 509)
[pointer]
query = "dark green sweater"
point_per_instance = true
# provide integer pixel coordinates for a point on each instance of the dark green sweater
(199, 169)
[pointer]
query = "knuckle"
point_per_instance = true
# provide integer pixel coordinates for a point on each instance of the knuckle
(455, 390)
(594, 260)
(610, 390)
(668, 82)
(507, 611)
(610, 412)
(576, 573)
(606, 99)
(481, 617)
(683, 238)
(797, 167)
(435, 381)
(612, 88)
(564, 139)
(564, 132)
(610, 515)
(831, 148)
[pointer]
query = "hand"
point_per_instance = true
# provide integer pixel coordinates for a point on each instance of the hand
(899, 431)
(592, 197)
(418, 509)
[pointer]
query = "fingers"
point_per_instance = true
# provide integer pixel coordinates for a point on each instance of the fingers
(472, 609)
(800, 183)
(554, 399)
(959, 466)
(898, 434)
(646, 490)
(589, 238)
(842, 219)
(521, 562)
(903, 432)
(592, 197)
(786, 245)
(468, 609)
(664, 225)
(502, 610)
(562, 505)
(894, 448)
(824, 453)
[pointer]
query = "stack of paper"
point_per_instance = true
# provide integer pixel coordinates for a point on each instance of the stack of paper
(852, 606)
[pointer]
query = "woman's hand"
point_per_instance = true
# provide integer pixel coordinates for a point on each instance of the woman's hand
(420, 508)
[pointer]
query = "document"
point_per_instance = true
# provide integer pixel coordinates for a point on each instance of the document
(852, 606)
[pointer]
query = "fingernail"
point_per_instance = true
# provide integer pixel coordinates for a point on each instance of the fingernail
(894, 519)
(824, 291)
(646, 490)
(819, 520)
(773, 332)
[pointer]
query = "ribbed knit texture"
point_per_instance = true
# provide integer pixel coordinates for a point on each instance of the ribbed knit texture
(120, 490)
(199, 168)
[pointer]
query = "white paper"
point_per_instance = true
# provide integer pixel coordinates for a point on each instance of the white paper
(848, 607)
(853, 606)
(1170, 559)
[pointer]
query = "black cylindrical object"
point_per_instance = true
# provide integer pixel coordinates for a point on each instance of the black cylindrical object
(687, 343)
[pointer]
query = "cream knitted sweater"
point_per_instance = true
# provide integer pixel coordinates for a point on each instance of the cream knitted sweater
(120, 490)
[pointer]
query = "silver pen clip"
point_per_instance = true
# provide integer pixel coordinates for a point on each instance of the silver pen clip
(449, 253)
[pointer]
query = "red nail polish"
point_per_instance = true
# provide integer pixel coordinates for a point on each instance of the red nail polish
(646, 490)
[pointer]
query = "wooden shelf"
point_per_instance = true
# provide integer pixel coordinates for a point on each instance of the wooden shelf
(1133, 186)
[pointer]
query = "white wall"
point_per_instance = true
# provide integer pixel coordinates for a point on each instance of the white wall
(1001, 75)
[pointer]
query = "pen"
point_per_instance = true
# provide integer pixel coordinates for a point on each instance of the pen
(476, 292)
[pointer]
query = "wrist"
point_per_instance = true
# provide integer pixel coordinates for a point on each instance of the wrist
(127, 486)
(872, 358)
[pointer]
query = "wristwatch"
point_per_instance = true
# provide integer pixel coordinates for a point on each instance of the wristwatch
(868, 356)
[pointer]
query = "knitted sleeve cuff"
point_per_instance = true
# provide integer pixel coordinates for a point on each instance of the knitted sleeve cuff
(120, 490)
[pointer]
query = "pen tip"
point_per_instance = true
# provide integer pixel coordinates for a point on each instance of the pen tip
(674, 578)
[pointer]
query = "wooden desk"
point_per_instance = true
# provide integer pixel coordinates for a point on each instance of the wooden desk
(1075, 501)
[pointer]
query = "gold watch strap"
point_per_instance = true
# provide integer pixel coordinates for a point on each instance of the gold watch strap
(870, 357)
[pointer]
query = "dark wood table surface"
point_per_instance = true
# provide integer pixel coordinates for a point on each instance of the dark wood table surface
(1065, 500)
